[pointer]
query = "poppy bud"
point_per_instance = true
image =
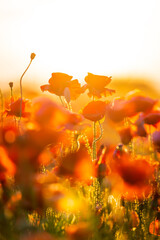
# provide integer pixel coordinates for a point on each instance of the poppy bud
(11, 84)
(32, 56)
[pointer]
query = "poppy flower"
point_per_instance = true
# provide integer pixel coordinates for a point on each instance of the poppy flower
(131, 177)
(125, 134)
(72, 165)
(118, 110)
(94, 110)
(48, 114)
(15, 109)
(152, 118)
(141, 104)
(59, 82)
(96, 85)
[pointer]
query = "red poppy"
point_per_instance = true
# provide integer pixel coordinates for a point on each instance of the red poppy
(48, 114)
(118, 110)
(141, 104)
(59, 82)
(125, 134)
(73, 164)
(94, 110)
(152, 118)
(131, 177)
(97, 85)
(15, 109)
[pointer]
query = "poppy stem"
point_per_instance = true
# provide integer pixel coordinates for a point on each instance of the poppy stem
(85, 138)
(21, 88)
(61, 101)
(94, 157)
(96, 139)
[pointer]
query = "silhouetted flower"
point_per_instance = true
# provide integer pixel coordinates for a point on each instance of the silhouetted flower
(96, 85)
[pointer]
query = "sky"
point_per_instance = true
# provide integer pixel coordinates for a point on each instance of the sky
(106, 37)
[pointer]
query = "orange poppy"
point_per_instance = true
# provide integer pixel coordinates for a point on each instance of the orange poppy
(94, 110)
(96, 85)
(59, 82)
(131, 177)
(72, 165)
(15, 109)
(118, 110)
(49, 115)
(141, 104)
(152, 118)
(125, 134)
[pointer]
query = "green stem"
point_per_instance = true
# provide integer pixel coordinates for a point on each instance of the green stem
(95, 140)
(85, 138)
(21, 87)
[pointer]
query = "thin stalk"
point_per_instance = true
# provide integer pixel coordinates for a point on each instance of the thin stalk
(21, 87)
(61, 101)
(95, 140)
(85, 138)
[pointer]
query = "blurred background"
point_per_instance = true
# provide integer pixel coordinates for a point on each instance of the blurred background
(113, 38)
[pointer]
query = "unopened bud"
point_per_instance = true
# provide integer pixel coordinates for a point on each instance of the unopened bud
(11, 84)
(32, 56)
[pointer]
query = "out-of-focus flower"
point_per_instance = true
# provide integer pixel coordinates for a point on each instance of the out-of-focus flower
(156, 140)
(125, 134)
(123, 108)
(59, 82)
(141, 104)
(96, 85)
(73, 164)
(15, 109)
(154, 227)
(118, 110)
(132, 177)
(94, 110)
(47, 114)
(7, 167)
(79, 231)
(152, 118)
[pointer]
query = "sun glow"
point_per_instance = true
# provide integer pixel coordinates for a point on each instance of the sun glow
(76, 37)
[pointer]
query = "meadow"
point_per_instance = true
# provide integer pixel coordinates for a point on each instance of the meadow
(80, 162)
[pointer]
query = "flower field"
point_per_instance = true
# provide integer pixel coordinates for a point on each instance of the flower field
(72, 172)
